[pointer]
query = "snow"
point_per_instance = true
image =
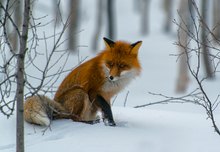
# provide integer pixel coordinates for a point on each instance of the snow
(136, 130)
(159, 128)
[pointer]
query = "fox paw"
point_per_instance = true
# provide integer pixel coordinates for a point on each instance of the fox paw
(108, 122)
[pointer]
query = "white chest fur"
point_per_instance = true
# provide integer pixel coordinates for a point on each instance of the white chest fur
(115, 86)
(120, 83)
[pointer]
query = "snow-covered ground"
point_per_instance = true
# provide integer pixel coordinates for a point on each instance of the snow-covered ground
(136, 130)
(159, 128)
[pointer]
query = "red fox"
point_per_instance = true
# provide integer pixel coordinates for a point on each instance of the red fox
(89, 87)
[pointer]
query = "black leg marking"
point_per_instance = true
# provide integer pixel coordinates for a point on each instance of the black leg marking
(106, 109)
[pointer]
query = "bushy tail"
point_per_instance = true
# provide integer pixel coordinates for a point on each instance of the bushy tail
(40, 110)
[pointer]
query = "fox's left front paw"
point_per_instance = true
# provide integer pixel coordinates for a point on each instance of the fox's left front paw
(108, 122)
(112, 123)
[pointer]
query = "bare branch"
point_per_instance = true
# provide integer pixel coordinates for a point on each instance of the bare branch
(199, 96)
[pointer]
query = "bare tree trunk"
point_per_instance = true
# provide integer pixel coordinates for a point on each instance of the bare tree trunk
(98, 26)
(167, 4)
(207, 62)
(18, 19)
(73, 26)
(111, 19)
(20, 78)
(57, 12)
(144, 16)
(183, 77)
(216, 18)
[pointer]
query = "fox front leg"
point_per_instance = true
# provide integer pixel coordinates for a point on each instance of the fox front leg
(106, 109)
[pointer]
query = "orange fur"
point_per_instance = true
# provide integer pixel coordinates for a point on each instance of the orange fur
(104, 75)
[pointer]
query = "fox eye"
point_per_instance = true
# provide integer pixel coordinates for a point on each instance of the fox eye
(123, 66)
(110, 63)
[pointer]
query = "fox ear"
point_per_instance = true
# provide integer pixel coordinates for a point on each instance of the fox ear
(135, 47)
(108, 43)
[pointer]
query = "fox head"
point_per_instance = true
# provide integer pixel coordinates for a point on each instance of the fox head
(120, 60)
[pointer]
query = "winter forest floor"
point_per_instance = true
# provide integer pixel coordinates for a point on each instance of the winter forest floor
(158, 128)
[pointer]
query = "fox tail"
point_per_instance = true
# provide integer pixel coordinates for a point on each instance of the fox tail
(40, 110)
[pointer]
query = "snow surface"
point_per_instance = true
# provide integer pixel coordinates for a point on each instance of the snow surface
(159, 128)
(136, 130)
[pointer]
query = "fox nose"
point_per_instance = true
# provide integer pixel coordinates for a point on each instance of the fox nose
(111, 77)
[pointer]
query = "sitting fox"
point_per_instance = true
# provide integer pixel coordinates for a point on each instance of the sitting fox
(89, 87)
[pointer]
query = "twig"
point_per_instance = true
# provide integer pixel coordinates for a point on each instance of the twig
(126, 98)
